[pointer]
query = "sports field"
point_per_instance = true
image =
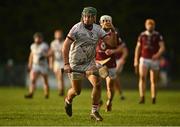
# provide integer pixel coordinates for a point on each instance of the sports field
(15, 110)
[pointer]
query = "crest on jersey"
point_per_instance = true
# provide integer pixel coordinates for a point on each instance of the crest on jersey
(90, 34)
(103, 46)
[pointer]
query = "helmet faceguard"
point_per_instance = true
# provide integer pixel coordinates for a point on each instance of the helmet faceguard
(106, 22)
(89, 11)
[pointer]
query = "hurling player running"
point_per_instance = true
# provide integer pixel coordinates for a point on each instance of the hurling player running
(38, 64)
(79, 54)
(149, 48)
(108, 49)
(56, 59)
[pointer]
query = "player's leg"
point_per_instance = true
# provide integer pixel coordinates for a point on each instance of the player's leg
(96, 95)
(117, 82)
(33, 77)
(143, 71)
(110, 93)
(46, 85)
(60, 80)
(117, 85)
(44, 74)
(153, 80)
(72, 92)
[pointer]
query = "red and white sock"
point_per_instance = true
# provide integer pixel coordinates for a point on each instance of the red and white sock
(95, 108)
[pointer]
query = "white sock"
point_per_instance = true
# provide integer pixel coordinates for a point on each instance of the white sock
(66, 100)
(108, 102)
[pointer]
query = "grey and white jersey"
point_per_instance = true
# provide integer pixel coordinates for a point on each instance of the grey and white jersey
(82, 52)
(39, 51)
(56, 46)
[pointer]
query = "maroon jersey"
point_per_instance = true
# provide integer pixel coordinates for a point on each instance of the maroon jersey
(149, 43)
(101, 55)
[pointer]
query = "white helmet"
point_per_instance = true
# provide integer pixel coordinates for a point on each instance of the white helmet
(105, 17)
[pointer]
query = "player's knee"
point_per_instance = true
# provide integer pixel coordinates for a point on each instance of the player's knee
(98, 86)
(46, 85)
(153, 84)
(143, 78)
(33, 81)
(110, 89)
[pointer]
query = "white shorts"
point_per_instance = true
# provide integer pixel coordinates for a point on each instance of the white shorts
(120, 69)
(149, 63)
(112, 73)
(79, 76)
(43, 69)
(58, 65)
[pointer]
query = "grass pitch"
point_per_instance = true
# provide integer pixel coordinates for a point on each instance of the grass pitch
(15, 110)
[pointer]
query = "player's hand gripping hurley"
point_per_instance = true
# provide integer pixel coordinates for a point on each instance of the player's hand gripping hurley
(102, 71)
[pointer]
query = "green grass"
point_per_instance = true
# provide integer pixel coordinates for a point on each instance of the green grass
(15, 110)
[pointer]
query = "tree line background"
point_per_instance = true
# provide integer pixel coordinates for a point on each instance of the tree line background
(20, 19)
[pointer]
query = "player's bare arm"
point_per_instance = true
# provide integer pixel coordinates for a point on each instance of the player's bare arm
(114, 51)
(124, 53)
(108, 40)
(136, 57)
(160, 51)
(119, 49)
(51, 58)
(66, 47)
(30, 61)
(50, 53)
(122, 60)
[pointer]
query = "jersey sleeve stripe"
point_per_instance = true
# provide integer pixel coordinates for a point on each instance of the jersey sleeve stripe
(70, 38)
(104, 36)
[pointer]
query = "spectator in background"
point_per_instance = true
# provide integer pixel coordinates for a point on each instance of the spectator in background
(38, 64)
(56, 60)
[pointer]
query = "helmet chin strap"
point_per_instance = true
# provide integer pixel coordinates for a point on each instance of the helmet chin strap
(88, 26)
